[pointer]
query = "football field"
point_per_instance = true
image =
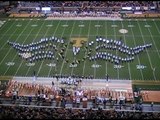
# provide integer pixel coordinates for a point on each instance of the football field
(133, 33)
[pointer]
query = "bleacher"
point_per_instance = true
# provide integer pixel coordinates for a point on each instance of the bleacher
(26, 15)
(85, 8)
(144, 15)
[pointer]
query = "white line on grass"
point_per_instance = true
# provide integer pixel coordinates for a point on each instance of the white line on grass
(155, 47)
(2, 35)
(33, 42)
(129, 69)
(86, 50)
(15, 41)
(55, 53)
(58, 45)
(106, 36)
(9, 48)
(135, 45)
(3, 26)
(96, 45)
(67, 48)
(146, 49)
(154, 41)
(157, 29)
(43, 59)
(22, 60)
(49, 34)
(116, 50)
(75, 56)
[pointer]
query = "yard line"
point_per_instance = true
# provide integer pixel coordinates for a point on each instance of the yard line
(22, 60)
(146, 49)
(116, 50)
(58, 45)
(135, 45)
(156, 28)
(67, 48)
(155, 47)
(75, 35)
(33, 42)
(11, 49)
(8, 51)
(10, 34)
(44, 60)
(75, 56)
(106, 36)
(129, 69)
(153, 39)
(55, 68)
(3, 26)
(96, 45)
(86, 50)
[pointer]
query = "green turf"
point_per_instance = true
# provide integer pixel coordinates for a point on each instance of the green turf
(137, 34)
(146, 87)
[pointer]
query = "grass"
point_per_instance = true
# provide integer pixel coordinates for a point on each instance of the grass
(23, 31)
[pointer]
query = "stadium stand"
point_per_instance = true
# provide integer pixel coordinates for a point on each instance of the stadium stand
(91, 8)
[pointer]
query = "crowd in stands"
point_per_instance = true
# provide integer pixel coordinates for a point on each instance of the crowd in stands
(86, 8)
(88, 4)
(40, 106)
(41, 93)
(19, 112)
(44, 96)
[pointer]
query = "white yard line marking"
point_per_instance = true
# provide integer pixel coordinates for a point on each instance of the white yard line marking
(114, 25)
(3, 35)
(34, 25)
(131, 25)
(75, 56)
(154, 45)
(80, 25)
(86, 50)
(129, 69)
(50, 34)
(3, 25)
(43, 59)
(67, 47)
(18, 25)
(153, 40)
(22, 60)
(105, 37)
(146, 49)
(115, 39)
(49, 25)
(33, 42)
(11, 49)
(65, 25)
(59, 44)
(135, 45)
(97, 28)
(97, 25)
(147, 26)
